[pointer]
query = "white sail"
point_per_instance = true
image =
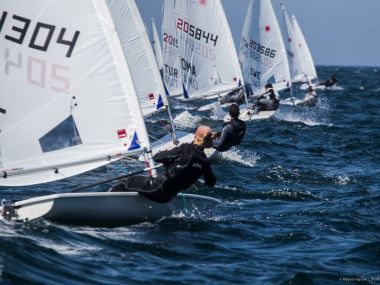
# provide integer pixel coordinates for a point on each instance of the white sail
(308, 63)
(139, 54)
(262, 52)
(68, 102)
(294, 58)
(157, 46)
(199, 53)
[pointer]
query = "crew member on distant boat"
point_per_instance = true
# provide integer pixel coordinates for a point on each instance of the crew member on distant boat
(232, 133)
(310, 98)
(329, 82)
(184, 165)
(268, 101)
(235, 96)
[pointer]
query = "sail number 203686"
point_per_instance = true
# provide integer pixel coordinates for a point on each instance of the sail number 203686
(262, 49)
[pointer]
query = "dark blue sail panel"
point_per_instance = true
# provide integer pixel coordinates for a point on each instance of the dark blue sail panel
(160, 103)
(64, 135)
(135, 142)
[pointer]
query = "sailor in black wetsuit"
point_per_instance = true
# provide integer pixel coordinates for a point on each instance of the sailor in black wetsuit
(267, 101)
(232, 133)
(236, 96)
(329, 82)
(184, 165)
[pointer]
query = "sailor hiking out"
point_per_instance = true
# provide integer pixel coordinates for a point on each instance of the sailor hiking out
(232, 133)
(184, 165)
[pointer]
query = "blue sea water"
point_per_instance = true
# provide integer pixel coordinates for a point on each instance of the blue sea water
(300, 205)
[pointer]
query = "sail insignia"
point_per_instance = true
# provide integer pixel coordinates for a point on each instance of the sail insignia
(135, 142)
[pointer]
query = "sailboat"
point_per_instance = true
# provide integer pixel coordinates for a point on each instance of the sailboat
(309, 71)
(296, 62)
(143, 65)
(157, 47)
(69, 105)
(200, 59)
(294, 56)
(262, 54)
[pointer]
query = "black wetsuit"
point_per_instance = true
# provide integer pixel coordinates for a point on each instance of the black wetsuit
(330, 83)
(232, 135)
(236, 96)
(270, 104)
(184, 166)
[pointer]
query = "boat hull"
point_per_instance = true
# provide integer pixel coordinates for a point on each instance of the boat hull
(109, 209)
(246, 115)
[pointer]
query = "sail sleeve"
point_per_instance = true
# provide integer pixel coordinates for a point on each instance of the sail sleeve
(69, 97)
(308, 63)
(156, 42)
(294, 57)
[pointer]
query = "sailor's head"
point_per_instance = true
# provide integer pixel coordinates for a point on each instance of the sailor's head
(310, 89)
(234, 111)
(268, 86)
(203, 136)
(333, 77)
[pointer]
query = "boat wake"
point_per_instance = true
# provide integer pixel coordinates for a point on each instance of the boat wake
(304, 86)
(186, 120)
(243, 196)
(242, 157)
(290, 101)
(294, 117)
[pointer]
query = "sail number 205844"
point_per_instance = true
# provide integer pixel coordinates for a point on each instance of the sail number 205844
(195, 32)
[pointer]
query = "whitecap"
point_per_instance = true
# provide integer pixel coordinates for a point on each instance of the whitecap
(74, 249)
(342, 180)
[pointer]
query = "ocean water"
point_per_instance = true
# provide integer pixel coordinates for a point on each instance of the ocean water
(300, 205)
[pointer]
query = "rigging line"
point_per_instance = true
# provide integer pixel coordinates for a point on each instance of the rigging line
(116, 178)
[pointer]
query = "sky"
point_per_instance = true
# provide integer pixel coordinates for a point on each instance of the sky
(338, 32)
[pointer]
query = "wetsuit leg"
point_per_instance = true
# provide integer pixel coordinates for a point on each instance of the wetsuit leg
(136, 183)
(149, 187)
(118, 188)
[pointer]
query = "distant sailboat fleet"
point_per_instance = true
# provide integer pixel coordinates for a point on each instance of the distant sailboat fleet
(106, 72)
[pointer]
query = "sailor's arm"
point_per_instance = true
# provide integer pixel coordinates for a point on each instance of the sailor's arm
(208, 175)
